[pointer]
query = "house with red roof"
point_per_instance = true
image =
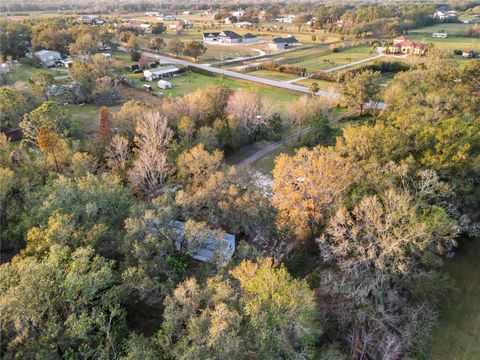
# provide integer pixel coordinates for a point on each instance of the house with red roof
(403, 45)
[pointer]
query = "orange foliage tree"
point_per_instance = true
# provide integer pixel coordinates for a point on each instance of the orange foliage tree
(50, 144)
(105, 125)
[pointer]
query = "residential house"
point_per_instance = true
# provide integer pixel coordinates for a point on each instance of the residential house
(239, 13)
(403, 45)
(211, 37)
(286, 19)
(186, 12)
(445, 15)
(211, 250)
(249, 38)
(48, 57)
(282, 43)
(160, 72)
(400, 39)
(152, 13)
(167, 18)
(440, 35)
(146, 28)
(228, 37)
(90, 19)
(243, 25)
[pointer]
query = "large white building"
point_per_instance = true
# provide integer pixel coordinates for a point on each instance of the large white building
(160, 72)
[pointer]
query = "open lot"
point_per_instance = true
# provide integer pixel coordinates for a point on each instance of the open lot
(451, 43)
(24, 72)
(450, 28)
(190, 81)
(276, 75)
(316, 59)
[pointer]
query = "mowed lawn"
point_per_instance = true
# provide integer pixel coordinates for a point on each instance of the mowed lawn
(457, 336)
(315, 59)
(450, 28)
(276, 75)
(451, 42)
(190, 81)
(25, 72)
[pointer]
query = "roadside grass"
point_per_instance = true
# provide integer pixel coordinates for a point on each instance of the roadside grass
(190, 81)
(276, 75)
(322, 84)
(215, 53)
(313, 61)
(457, 334)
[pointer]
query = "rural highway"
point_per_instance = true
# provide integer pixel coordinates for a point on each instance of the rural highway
(275, 83)
(233, 74)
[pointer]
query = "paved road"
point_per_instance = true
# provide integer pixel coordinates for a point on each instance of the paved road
(241, 76)
(275, 83)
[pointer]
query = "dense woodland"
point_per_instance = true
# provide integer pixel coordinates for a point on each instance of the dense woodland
(90, 269)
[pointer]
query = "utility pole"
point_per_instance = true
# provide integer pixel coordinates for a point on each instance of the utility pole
(222, 60)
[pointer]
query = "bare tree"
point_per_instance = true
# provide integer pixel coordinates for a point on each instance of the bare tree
(150, 168)
(117, 153)
(249, 109)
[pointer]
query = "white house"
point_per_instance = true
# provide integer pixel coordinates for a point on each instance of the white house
(152, 13)
(228, 37)
(164, 84)
(213, 249)
(445, 15)
(243, 24)
(90, 19)
(167, 18)
(186, 12)
(286, 19)
(160, 72)
(48, 57)
(238, 13)
(147, 28)
(440, 35)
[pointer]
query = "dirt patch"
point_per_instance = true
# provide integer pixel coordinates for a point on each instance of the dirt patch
(132, 93)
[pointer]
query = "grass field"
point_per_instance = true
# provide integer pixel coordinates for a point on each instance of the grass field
(25, 72)
(457, 336)
(314, 58)
(190, 81)
(450, 28)
(451, 43)
(276, 75)
(322, 84)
